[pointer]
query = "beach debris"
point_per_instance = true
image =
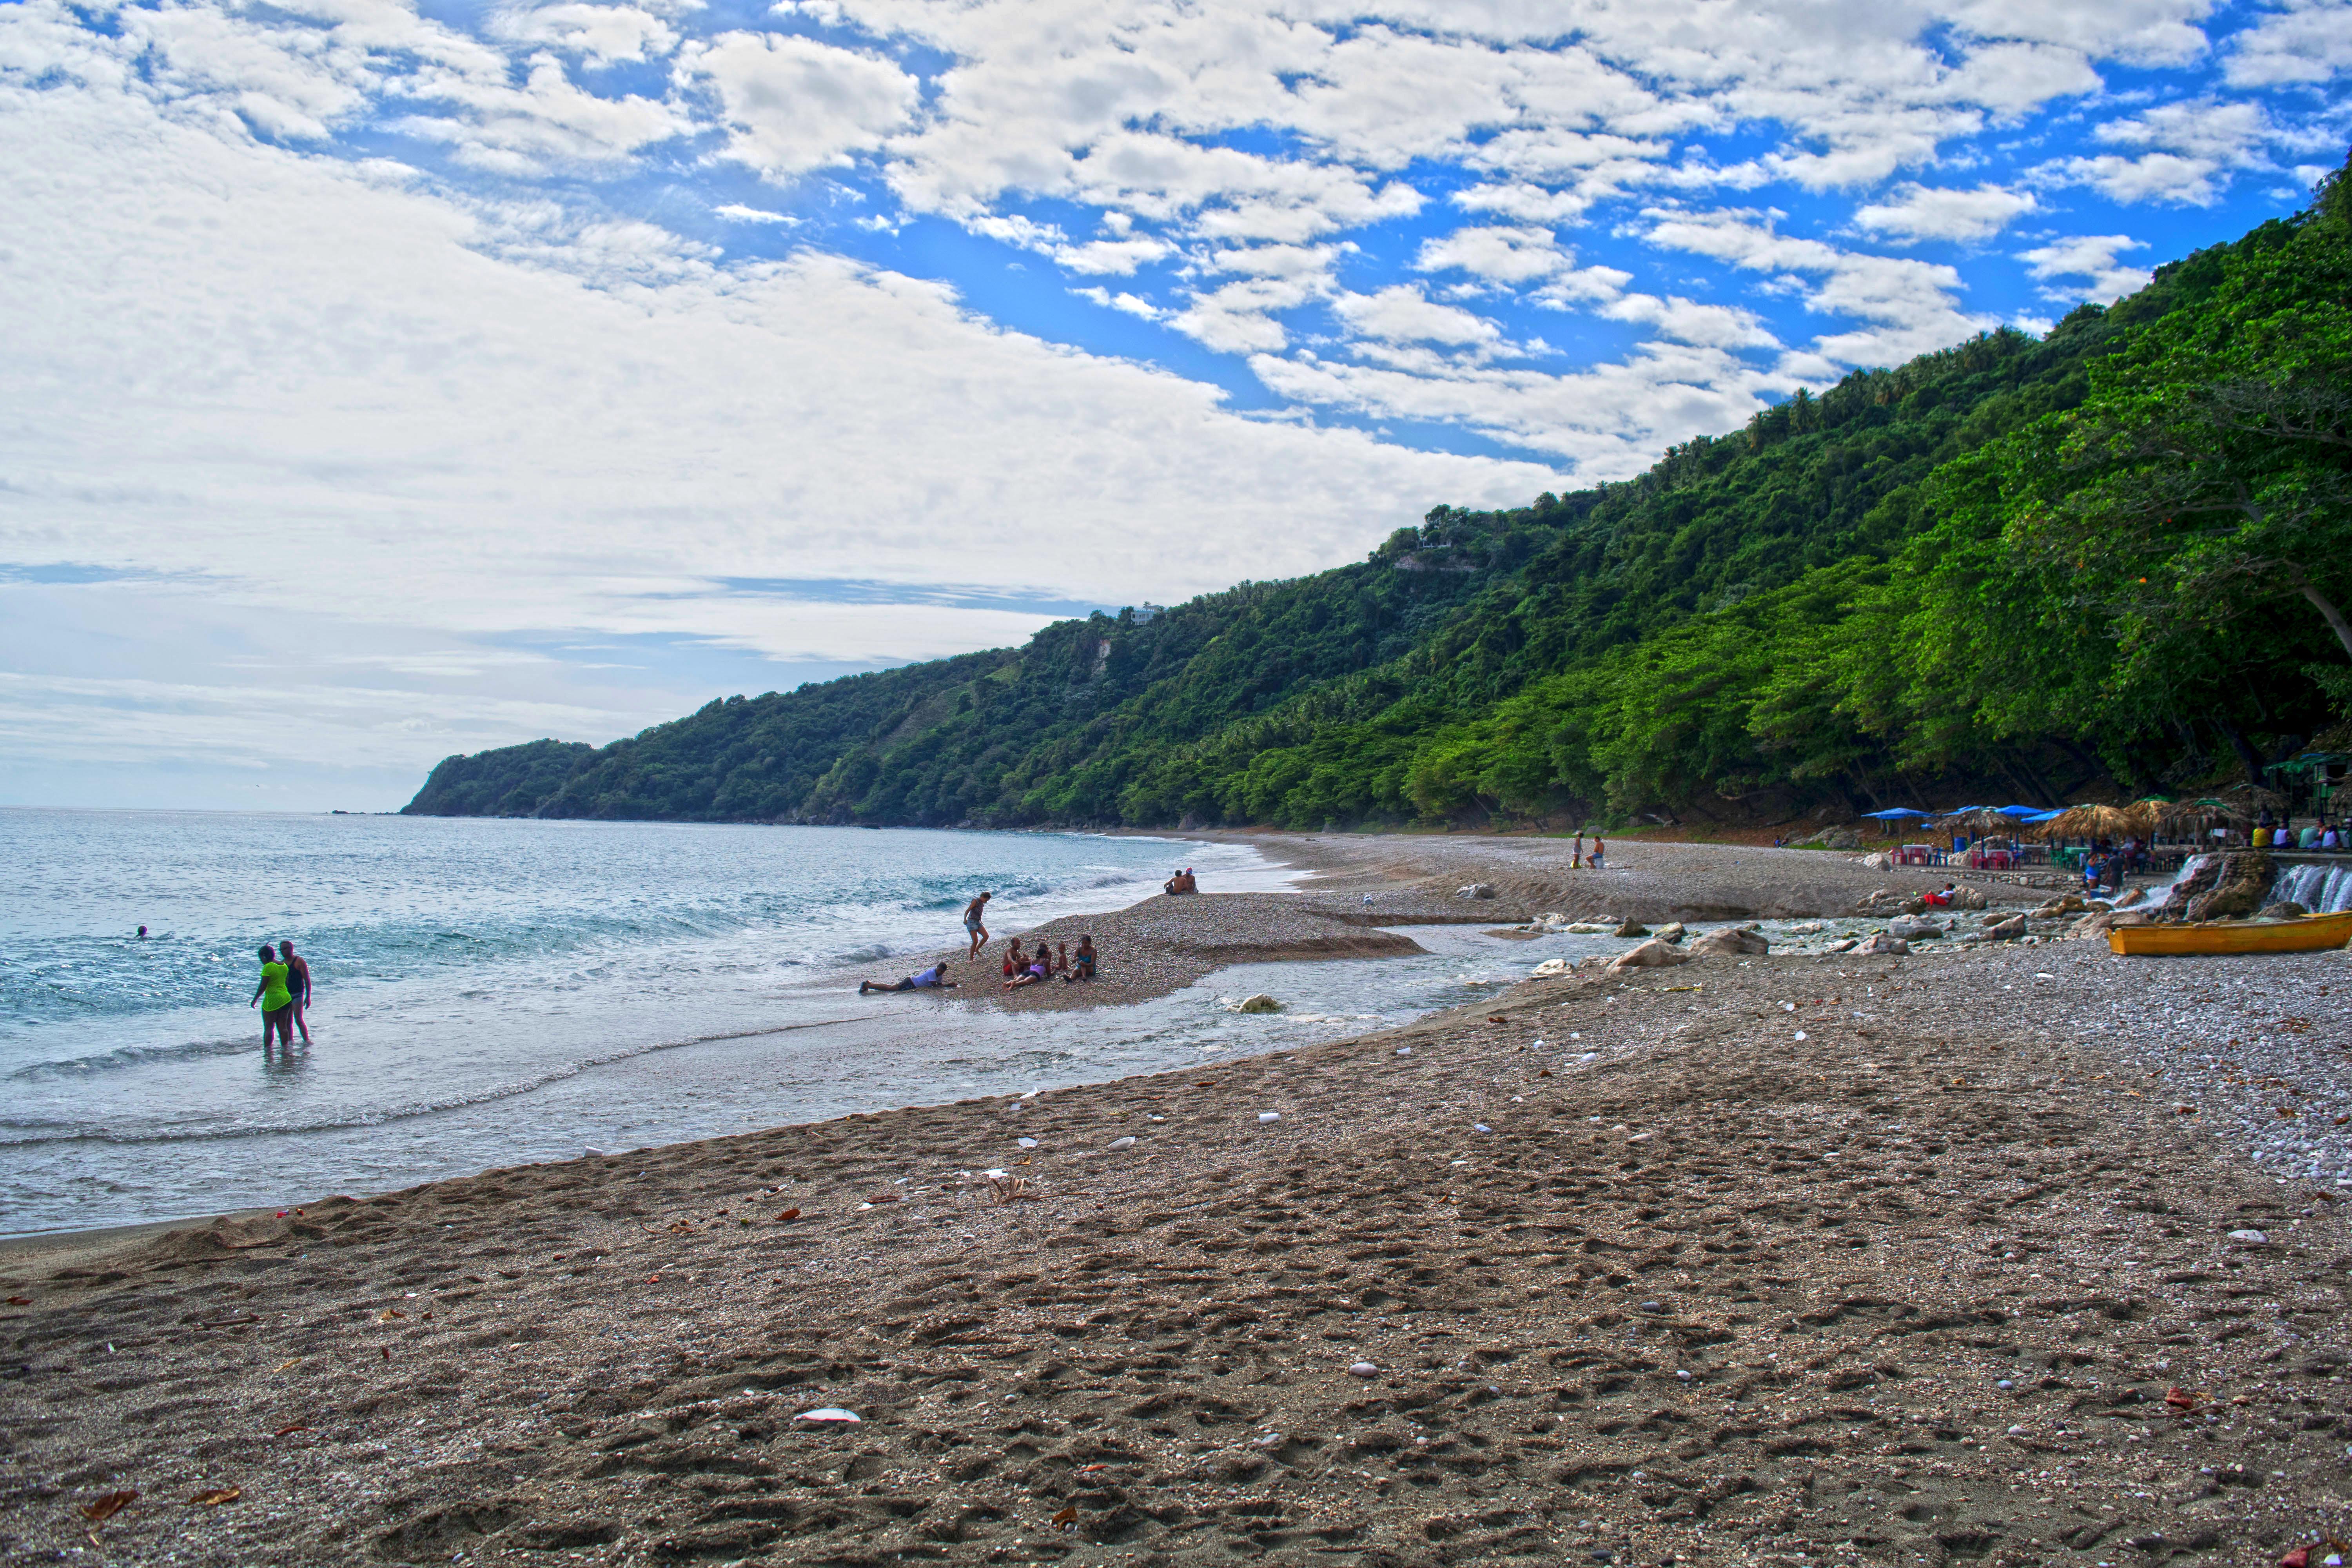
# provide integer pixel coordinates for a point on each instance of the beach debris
(1260, 1003)
(1548, 968)
(2298, 1558)
(1361, 1369)
(108, 1506)
(1067, 1520)
(1475, 890)
(20, 1301)
(830, 1413)
(2179, 1399)
(789, 1214)
(1480, 1127)
(1496, 1018)
(2250, 1237)
(213, 1497)
(1726, 940)
(1123, 1142)
(1027, 1143)
(590, 1152)
(1404, 1051)
(290, 1431)
(1651, 954)
(1265, 1116)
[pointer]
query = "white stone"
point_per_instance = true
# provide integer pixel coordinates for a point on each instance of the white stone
(1123, 1142)
(829, 1412)
(1364, 1369)
(1269, 1116)
(2252, 1237)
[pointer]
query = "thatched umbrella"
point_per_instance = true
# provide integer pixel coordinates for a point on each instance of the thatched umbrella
(2092, 822)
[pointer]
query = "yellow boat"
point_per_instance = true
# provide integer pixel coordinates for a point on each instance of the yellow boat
(2306, 933)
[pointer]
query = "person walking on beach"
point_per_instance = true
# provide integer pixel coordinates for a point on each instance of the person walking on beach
(277, 1002)
(973, 928)
(1577, 862)
(298, 985)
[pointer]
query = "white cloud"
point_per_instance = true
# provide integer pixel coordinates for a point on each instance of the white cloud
(603, 35)
(1402, 314)
(793, 104)
(2194, 148)
(1503, 255)
(1920, 212)
(1908, 303)
(2091, 257)
(424, 432)
(736, 211)
(2299, 41)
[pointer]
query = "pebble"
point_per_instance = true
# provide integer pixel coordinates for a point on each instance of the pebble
(1123, 1142)
(1404, 1051)
(829, 1412)
(1364, 1369)
(1269, 1116)
(2252, 1237)
(1027, 1142)
(1481, 1127)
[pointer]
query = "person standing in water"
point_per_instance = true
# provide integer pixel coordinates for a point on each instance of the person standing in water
(276, 1001)
(298, 985)
(973, 926)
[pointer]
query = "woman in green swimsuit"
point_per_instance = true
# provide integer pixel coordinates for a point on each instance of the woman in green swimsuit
(277, 1002)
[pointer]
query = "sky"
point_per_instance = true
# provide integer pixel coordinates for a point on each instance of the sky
(386, 380)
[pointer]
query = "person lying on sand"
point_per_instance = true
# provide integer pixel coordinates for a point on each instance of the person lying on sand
(1082, 965)
(1942, 898)
(1039, 970)
(1182, 882)
(922, 980)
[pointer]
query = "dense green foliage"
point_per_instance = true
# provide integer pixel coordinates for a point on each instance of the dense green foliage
(2012, 566)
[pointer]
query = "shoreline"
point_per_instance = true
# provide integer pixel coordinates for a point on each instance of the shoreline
(1743, 1258)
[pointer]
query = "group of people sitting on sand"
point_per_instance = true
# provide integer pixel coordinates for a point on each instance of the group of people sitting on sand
(1060, 964)
(1020, 969)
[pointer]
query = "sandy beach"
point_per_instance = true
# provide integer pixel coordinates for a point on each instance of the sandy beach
(1999, 1256)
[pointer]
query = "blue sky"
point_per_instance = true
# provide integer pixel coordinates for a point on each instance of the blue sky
(388, 380)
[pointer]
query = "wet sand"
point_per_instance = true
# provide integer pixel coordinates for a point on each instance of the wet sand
(1746, 1261)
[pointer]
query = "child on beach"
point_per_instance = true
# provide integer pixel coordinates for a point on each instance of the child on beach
(935, 977)
(276, 1001)
(1577, 863)
(1061, 958)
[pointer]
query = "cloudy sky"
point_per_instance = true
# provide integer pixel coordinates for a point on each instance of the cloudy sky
(382, 379)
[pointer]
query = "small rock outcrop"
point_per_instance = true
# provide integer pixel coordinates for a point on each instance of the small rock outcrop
(1651, 954)
(1475, 890)
(2239, 888)
(1914, 927)
(1671, 931)
(1740, 940)
(2284, 910)
(1261, 1003)
(1879, 942)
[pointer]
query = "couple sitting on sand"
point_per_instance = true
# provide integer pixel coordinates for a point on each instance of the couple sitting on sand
(1019, 971)
(1182, 882)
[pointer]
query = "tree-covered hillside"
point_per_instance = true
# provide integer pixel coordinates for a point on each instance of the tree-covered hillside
(2014, 566)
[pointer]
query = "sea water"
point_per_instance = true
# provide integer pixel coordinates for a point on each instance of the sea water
(494, 993)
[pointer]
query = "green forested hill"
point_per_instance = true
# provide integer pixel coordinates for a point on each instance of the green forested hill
(2014, 566)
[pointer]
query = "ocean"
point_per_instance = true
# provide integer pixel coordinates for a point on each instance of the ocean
(497, 993)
